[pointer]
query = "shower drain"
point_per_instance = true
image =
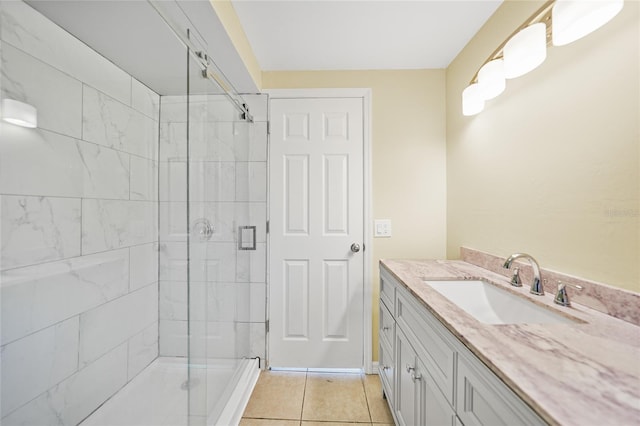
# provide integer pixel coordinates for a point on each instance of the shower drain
(189, 384)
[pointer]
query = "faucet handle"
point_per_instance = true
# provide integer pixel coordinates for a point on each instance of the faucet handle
(515, 278)
(562, 297)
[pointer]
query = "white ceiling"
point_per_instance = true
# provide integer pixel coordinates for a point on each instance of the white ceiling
(285, 35)
(132, 35)
(360, 34)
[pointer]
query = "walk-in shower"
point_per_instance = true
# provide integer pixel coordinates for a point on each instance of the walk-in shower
(133, 256)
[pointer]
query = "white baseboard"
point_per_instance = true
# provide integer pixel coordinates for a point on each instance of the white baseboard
(374, 367)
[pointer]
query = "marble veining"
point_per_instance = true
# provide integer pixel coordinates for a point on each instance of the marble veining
(35, 297)
(173, 141)
(39, 162)
(57, 97)
(34, 364)
(105, 171)
(108, 122)
(144, 181)
(586, 373)
(31, 32)
(38, 229)
(77, 396)
(113, 224)
(145, 100)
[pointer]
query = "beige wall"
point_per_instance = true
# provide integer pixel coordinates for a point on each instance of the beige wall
(227, 15)
(551, 167)
(408, 157)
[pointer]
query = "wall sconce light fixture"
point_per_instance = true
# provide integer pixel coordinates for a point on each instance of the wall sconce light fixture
(472, 100)
(491, 79)
(525, 51)
(19, 113)
(573, 20)
(557, 23)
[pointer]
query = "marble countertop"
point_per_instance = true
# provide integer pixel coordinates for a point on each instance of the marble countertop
(582, 373)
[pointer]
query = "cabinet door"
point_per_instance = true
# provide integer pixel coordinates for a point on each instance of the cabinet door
(484, 400)
(407, 402)
(435, 408)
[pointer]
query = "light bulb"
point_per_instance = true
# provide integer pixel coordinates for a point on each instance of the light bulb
(491, 79)
(472, 100)
(574, 19)
(525, 51)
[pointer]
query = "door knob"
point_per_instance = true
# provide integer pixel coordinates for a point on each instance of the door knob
(355, 247)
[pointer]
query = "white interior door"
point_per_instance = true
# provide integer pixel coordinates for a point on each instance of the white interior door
(316, 233)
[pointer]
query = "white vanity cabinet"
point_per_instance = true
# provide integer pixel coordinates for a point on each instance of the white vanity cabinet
(429, 377)
(418, 401)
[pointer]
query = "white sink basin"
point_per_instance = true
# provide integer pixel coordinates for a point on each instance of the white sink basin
(492, 305)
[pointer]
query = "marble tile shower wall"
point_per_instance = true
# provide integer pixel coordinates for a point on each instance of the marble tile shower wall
(79, 256)
(228, 175)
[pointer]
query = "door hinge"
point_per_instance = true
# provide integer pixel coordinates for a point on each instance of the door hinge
(266, 326)
(268, 127)
(267, 227)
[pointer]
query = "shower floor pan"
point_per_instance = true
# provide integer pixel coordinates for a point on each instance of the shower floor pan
(160, 395)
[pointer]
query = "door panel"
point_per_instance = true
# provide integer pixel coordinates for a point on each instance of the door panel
(296, 294)
(316, 214)
(296, 194)
(336, 293)
(336, 194)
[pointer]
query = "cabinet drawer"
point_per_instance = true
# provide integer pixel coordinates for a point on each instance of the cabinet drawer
(387, 290)
(483, 399)
(386, 370)
(387, 326)
(427, 336)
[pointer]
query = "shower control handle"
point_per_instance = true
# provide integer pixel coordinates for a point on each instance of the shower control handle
(355, 247)
(203, 228)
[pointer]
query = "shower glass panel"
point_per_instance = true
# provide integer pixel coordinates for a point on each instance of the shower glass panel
(218, 266)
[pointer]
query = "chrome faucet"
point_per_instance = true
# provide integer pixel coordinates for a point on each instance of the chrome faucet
(562, 297)
(536, 285)
(515, 278)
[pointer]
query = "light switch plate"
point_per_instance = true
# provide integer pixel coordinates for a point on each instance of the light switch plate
(381, 228)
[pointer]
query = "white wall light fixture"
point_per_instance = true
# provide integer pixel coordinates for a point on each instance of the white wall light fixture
(472, 100)
(557, 22)
(573, 19)
(491, 79)
(525, 51)
(19, 113)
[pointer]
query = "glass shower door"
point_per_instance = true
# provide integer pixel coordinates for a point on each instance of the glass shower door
(219, 238)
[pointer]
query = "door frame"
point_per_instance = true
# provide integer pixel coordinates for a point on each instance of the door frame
(364, 94)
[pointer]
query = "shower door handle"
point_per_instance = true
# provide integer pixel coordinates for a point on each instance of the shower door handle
(246, 238)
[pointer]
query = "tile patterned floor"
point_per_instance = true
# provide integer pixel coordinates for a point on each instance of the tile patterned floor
(300, 398)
